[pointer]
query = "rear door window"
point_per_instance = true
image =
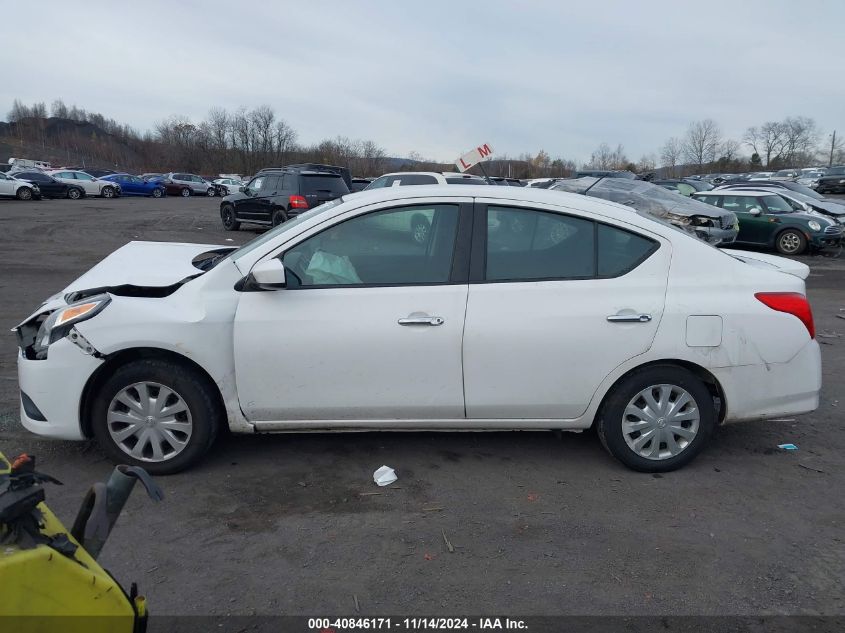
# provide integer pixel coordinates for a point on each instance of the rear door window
(621, 251)
(525, 245)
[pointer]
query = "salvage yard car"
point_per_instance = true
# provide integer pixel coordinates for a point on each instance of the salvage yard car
(711, 225)
(136, 186)
(522, 309)
(11, 187)
(90, 185)
(768, 219)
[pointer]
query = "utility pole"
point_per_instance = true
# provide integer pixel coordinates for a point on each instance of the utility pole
(832, 145)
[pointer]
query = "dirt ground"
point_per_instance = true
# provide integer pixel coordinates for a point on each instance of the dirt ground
(541, 525)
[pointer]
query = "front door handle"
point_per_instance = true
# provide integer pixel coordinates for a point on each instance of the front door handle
(435, 320)
(629, 318)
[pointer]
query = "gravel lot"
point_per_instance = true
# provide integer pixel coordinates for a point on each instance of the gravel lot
(541, 525)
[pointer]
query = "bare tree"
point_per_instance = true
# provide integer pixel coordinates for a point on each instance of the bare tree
(767, 141)
(671, 153)
(800, 136)
(729, 150)
(701, 142)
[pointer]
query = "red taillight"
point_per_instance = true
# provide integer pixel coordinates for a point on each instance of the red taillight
(298, 202)
(792, 303)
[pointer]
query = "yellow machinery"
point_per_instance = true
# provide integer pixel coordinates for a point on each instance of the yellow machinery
(49, 577)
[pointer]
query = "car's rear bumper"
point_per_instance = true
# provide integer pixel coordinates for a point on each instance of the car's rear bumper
(54, 387)
(771, 390)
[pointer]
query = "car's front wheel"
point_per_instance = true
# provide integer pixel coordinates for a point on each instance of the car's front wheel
(108, 192)
(160, 415)
(211, 192)
(791, 242)
(24, 193)
(157, 193)
(657, 419)
(230, 222)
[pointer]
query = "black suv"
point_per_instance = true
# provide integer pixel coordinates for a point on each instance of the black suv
(275, 195)
(833, 180)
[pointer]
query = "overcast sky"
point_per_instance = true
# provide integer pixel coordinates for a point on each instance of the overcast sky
(439, 77)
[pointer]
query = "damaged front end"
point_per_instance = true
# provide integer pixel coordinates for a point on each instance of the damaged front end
(52, 323)
(708, 223)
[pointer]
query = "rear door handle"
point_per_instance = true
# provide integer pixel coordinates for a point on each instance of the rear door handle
(629, 318)
(435, 320)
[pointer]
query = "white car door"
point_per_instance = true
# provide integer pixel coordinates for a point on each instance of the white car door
(369, 326)
(88, 183)
(7, 186)
(563, 301)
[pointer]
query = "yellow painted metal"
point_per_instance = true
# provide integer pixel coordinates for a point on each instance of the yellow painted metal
(44, 590)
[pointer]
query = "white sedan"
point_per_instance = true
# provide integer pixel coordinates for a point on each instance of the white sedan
(232, 185)
(523, 309)
(90, 185)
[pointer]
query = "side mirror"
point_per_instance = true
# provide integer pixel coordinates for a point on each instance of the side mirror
(755, 212)
(269, 274)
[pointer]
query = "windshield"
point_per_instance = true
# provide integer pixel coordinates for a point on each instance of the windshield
(803, 189)
(281, 228)
(465, 181)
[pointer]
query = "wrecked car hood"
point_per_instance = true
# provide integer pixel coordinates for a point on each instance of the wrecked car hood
(646, 198)
(144, 264)
(764, 260)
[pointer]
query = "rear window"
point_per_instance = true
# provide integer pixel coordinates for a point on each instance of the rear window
(465, 181)
(323, 182)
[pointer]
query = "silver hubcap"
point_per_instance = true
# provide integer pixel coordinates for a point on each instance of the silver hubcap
(660, 421)
(107, 192)
(149, 422)
(790, 242)
(210, 193)
(420, 233)
(186, 193)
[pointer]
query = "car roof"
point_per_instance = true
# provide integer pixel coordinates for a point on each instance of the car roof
(736, 192)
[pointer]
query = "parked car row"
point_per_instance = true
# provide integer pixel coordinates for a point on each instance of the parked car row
(821, 179)
(26, 181)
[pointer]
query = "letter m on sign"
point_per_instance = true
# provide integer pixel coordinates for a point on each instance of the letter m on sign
(484, 151)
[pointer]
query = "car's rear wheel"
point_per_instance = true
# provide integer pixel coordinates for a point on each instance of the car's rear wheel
(185, 192)
(160, 415)
(157, 193)
(24, 193)
(657, 419)
(279, 217)
(230, 222)
(791, 242)
(74, 193)
(211, 192)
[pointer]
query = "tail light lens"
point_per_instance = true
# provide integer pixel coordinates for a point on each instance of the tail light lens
(298, 202)
(792, 303)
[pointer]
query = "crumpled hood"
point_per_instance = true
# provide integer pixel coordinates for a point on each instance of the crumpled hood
(146, 264)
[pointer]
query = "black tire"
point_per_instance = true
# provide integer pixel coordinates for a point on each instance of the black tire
(609, 424)
(107, 192)
(230, 222)
(157, 193)
(791, 242)
(211, 192)
(420, 228)
(24, 193)
(185, 193)
(75, 193)
(279, 217)
(196, 392)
